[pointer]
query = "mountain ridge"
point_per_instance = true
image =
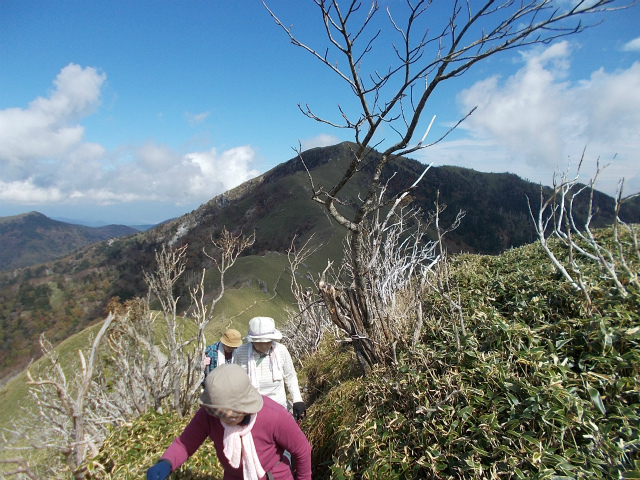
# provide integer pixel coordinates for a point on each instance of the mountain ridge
(99, 223)
(32, 238)
(65, 295)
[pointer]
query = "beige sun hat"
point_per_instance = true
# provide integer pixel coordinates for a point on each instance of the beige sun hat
(228, 386)
(262, 329)
(231, 338)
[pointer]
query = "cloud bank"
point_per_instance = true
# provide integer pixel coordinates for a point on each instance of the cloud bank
(44, 158)
(536, 121)
(632, 46)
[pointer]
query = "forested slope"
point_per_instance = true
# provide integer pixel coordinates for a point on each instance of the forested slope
(64, 296)
(539, 386)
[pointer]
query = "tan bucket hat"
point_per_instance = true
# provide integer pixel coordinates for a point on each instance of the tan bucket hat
(231, 338)
(228, 386)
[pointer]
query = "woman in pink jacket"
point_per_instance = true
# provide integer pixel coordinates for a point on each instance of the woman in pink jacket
(250, 432)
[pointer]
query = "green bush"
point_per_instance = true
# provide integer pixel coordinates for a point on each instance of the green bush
(132, 448)
(538, 389)
(541, 387)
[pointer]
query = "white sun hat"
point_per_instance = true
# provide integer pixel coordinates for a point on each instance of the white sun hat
(262, 329)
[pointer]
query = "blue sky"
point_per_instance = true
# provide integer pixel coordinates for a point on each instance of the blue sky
(134, 112)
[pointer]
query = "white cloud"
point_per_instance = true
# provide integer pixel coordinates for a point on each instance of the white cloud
(534, 121)
(27, 193)
(149, 172)
(77, 93)
(575, 3)
(45, 160)
(48, 128)
(195, 118)
(632, 46)
(218, 173)
(611, 105)
(153, 172)
(522, 113)
(322, 140)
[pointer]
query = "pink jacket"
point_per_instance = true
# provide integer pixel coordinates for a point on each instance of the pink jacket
(274, 432)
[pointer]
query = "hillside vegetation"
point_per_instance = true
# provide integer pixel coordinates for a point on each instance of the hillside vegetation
(539, 387)
(64, 296)
(492, 348)
(33, 238)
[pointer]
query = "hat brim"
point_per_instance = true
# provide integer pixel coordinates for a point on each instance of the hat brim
(250, 404)
(277, 335)
(231, 344)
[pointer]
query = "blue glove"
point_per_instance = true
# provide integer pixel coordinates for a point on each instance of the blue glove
(159, 471)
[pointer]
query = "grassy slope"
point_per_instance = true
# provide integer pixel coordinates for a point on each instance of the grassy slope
(538, 389)
(257, 286)
(63, 297)
(258, 272)
(14, 396)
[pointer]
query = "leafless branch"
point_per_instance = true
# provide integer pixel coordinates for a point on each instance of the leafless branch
(430, 49)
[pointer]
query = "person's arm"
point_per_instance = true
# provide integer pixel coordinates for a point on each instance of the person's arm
(289, 436)
(290, 375)
(194, 434)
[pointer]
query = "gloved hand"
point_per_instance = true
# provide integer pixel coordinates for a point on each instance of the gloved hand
(299, 411)
(159, 471)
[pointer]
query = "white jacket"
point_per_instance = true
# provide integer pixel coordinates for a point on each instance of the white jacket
(278, 357)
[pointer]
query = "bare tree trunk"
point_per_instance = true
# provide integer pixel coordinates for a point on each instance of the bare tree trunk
(429, 50)
(62, 406)
(147, 363)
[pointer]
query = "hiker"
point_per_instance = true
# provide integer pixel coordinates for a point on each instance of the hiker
(269, 365)
(249, 431)
(221, 352)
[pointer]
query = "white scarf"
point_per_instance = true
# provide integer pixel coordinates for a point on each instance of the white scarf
(238, 444)
(220, 358)
(274, 366)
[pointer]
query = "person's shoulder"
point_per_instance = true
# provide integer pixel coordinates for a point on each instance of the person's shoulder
(272, 407)
(242, 352)
(202, 416)
(211, 350)
(281, 350)
(268, 402)
(281, 347)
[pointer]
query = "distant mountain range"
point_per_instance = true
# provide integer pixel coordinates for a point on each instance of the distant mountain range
(33, 238)
(98, 223)
(66, 294)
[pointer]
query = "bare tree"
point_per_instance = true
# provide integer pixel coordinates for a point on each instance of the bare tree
(66, 417)
(399, 251)
(309, 321)
(556, 219)
(138, 360)
(171, 264)
(139, 377)
(396, 98)
(21, 468)
(227, 249)
(153, 363)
